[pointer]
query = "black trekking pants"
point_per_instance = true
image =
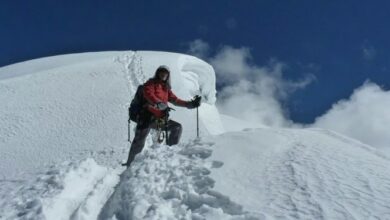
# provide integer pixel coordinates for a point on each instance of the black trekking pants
(174, 134)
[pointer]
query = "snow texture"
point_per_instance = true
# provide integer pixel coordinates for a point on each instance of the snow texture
(78, 109)
(64, 131)
(172, 183)
(302, 174)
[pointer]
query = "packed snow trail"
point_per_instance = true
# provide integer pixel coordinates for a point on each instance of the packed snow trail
(164, 182)
(172, 183)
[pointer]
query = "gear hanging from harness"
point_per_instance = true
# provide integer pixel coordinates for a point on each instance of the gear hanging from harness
(135, 110)
(162, 127)
(160, 124)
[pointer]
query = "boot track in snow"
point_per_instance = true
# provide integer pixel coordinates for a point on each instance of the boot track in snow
(171, 183)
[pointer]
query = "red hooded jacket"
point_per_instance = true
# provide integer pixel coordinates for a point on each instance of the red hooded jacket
(155, 91)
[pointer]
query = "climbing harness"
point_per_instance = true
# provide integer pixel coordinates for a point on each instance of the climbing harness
(161, 124)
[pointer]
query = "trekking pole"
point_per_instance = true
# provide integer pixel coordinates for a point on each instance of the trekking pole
(128, 128)
(197, 122)
(166, 129)
(199, 99)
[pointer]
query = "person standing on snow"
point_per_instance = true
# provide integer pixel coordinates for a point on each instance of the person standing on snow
(157, 92)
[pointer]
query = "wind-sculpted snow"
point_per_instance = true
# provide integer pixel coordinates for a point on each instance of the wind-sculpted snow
(172, 183)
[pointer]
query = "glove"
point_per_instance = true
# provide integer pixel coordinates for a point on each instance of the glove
(162, 106)
(194, 103)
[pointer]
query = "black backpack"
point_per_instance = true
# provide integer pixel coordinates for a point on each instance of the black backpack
(137, 104)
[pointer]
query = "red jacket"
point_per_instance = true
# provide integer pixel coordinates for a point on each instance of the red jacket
(156, 91)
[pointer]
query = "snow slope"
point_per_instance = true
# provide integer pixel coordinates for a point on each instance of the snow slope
(74, 106)
(64, 131)
(302, 174)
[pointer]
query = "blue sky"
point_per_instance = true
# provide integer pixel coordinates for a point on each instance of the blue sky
(342, 43)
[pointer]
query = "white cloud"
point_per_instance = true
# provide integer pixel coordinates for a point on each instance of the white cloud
(364, 116)
(251, 92)
(256, 93)
(231, 64)
(199, 48)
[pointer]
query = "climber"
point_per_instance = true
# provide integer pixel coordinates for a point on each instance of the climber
(157, 93)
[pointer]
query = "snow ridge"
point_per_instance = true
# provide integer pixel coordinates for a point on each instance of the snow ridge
(171, 183)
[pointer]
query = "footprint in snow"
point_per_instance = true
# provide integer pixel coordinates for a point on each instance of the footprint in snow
(172, 183)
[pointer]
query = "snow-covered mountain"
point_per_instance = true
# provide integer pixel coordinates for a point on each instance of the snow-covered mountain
(79, 107)
(63, 134)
